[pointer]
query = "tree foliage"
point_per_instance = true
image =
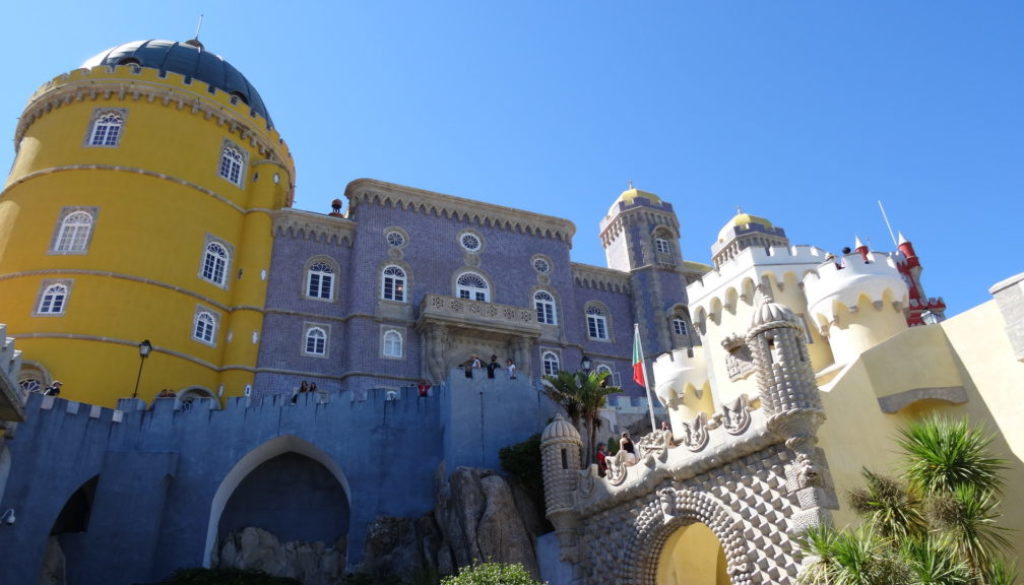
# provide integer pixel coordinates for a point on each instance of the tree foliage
(582, 395)
(936, 524)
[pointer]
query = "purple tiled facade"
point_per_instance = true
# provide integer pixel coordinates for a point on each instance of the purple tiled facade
(428, 251)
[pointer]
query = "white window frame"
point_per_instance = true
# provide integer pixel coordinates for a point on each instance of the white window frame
(392, 344)
(679, 326)
(479, 241)
(597, 323)
(106, 128)
(394, 284)
(318, 272)
(53, 298)
(547, 310)
(396, 237)
(540, 263)
(470, 291)
(231, 164)
(74, 231)
(213, 267)
(662, 245)
(315, 333)
(204, 326)
(551, 363)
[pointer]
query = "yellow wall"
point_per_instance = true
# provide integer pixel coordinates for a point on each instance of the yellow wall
(159, 197)
(692, 556)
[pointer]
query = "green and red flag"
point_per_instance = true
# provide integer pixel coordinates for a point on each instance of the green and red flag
(638, 358)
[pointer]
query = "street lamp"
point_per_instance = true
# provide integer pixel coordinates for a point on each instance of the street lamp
(585, 364)
(144, 348)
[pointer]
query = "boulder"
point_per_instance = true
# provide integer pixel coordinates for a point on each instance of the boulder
(313, 563)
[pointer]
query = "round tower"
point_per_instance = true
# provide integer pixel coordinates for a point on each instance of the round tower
(746, 231)
(138, 207)
(560, 447)
(784, 373)
(857, 304)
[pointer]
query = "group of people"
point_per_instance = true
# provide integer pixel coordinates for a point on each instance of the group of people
(493, 366)
(303, 388)
(626, 455)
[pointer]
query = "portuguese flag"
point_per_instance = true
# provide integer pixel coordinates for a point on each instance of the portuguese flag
(638, 357)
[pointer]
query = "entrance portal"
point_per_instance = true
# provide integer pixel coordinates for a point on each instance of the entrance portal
(692, 555)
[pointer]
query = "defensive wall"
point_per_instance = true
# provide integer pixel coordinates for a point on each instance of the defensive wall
(152, 483)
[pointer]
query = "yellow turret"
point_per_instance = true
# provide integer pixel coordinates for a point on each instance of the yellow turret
(138, 208)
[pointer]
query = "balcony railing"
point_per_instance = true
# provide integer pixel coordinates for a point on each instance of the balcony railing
(479, 315)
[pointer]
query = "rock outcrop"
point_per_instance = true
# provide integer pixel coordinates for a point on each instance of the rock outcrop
(477, 516)
(313, 563)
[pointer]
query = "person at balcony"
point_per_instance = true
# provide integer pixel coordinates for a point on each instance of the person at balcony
(627, 449)
(601, 456)
(423, 388)
(493, 366)
(511, 367)
(53, 389)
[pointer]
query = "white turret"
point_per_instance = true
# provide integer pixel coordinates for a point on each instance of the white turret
(560, 447)
(857, 304)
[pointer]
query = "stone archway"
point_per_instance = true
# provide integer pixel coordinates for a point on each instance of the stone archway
(674, 509)
(287, 444)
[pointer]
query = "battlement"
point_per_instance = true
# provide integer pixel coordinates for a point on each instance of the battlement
(11, 395)
(844, 284)
(134, 82)
(771, 260)
(314, 226)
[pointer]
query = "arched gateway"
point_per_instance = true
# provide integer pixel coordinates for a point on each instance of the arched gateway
(750, 473)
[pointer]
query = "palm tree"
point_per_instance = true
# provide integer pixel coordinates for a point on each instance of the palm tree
(582, 395)
(934, 525)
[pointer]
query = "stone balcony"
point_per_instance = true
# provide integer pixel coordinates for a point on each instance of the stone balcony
(481, 316)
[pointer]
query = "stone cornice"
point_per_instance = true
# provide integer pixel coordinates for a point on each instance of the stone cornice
(611, 227)
(314, 226)
(595, 277)
(371, 191)
(124, 83)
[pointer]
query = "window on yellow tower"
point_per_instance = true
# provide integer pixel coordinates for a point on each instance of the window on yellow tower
(53, 298)
(204, 326)
(232, 164)
(215, 263)
(74, 232)
(106, 128)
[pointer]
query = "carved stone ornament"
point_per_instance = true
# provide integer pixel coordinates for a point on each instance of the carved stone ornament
(586, 483)
(695, 434)
(736, 416)
(807, 474)
(617, 468)
(395, 253)
(654, 444)
(667, 503)
(471, 259)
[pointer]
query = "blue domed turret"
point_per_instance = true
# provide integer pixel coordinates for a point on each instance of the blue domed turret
(190, 59)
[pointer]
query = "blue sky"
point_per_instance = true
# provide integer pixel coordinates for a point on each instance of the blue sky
(803, 112)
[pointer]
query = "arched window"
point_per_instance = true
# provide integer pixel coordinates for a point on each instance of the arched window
(215, 263)
(551, 363)
(597, 323)
(204, 327)
(392, 344)
(53, 299)
(74, 232)
(679, 326)
(106, 129)
(320, 281)
(30, 384)
(604, 368)
(393, 284)
(662, 245)
(231, 163)
(471, 285)
(545, 305)
(316, 341)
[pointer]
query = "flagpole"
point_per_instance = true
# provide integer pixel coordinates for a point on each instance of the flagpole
(647, 384)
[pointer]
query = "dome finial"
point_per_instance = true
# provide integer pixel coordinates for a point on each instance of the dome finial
(194, 41)
(630, 183)
(739, 210)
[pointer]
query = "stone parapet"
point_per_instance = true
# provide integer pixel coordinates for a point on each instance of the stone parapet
(314, 226)
(595, 277)
(466, 313)
(833, 285)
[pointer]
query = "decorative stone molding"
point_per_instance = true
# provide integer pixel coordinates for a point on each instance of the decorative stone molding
(695, 434)
(897, 402)
(314, 226)
(736, 416)
(597, 278)
(372, 192)
(469, 314)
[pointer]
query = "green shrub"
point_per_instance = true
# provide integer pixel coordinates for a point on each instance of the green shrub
(492, 574)
(522, 461)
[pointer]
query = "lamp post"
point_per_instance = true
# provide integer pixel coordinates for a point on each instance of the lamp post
(144, 348)
(585, 364)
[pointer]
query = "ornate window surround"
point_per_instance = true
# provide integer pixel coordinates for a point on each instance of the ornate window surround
(104, 131)
(546, 308)
(472, 292)
(232, 163)
(209, 320)
(218, 266)
(462, 239)
(330, 275)
(549, 366)
(392, 234)
(394, 283)
(53, 297)
(598, 312)
(392, 342)
(60, 232)
(309, 333)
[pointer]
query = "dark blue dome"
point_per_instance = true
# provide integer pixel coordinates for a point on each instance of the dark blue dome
(189, 59)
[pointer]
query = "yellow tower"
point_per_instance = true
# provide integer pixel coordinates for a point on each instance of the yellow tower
(138, 208)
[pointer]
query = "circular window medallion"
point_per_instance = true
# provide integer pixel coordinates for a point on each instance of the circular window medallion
(395, 239)
(470, 242)
(541, 265)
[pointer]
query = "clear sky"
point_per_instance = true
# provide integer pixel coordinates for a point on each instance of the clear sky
(803, 112)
